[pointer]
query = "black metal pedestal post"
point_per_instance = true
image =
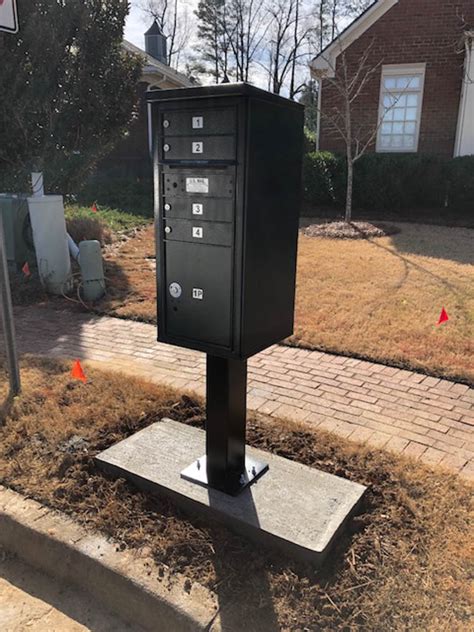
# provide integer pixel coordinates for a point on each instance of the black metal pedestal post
(225, 466)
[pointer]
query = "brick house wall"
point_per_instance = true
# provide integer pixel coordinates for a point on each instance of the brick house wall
(411, 32)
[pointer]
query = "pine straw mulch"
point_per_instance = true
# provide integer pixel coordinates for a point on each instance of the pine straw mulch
(349, 230)
(406, 562)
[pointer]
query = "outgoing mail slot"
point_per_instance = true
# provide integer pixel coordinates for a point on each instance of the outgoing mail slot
(198, 148)
(198, 183)
(193, 207)
(198, 121)
(216, 233)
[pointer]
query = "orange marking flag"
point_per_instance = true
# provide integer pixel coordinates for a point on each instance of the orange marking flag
(77, 372)
(26, 269)
(443, 318)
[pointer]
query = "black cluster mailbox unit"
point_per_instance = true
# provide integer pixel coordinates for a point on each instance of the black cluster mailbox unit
(227, 166)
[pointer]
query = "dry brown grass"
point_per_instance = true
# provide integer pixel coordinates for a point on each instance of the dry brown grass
(378, 299)
(382, 298)
(84, 228)
(406, 563)
(130, 270)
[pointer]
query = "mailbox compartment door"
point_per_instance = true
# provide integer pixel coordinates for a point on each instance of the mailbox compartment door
(198, 148)
(216, 233)
(199, 292)
(197, 121)
(196, 208)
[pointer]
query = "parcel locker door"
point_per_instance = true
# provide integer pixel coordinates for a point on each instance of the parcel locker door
(199, 292)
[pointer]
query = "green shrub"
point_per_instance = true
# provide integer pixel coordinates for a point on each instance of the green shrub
(132, 194)
(323, 178)
(461, 184)
(396, 183)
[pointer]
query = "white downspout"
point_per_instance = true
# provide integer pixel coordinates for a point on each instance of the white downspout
(465, 130)
(318, 120)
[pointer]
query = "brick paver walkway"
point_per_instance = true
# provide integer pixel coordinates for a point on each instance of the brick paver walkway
(407, 412)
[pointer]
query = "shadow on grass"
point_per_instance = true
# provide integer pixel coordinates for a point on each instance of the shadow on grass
(437, 242)
(407, 263)
(118, 285)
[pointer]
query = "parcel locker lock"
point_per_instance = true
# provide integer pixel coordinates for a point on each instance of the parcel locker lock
(166, 147)
(168, 229)
(166, 123)
(175, 290)
(167, 207)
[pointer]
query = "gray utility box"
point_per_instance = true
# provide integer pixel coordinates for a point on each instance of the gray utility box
(227, 162)
(17, 229)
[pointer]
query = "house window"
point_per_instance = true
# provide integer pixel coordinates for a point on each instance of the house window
(401, 97)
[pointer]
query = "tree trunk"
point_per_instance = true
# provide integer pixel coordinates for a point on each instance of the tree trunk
(350, 161)
(350, 184)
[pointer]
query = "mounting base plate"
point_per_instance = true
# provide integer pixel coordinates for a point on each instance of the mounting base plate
(197, 473)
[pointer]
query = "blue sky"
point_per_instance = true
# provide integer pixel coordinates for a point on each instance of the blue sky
(137, 24)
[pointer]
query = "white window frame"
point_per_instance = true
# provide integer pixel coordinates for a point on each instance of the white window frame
(400, 70)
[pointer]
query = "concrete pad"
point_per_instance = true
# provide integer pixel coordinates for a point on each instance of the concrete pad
(296, 508)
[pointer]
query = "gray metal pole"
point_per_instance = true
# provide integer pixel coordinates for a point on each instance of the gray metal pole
(7, 318)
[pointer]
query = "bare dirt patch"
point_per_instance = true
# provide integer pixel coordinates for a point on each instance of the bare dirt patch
(349, 230)
(406, 562)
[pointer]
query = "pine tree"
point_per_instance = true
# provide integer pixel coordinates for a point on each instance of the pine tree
(211, 16)
(309, 98)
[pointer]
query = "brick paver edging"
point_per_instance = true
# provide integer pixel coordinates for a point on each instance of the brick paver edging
(425, 417)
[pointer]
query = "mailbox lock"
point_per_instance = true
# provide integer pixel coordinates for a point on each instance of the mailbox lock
(168, 229)
(166, 147)
(166, 123)
(167, 207)
(175, 290)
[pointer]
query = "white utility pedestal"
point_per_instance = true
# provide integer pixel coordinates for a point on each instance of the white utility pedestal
(51, 245)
